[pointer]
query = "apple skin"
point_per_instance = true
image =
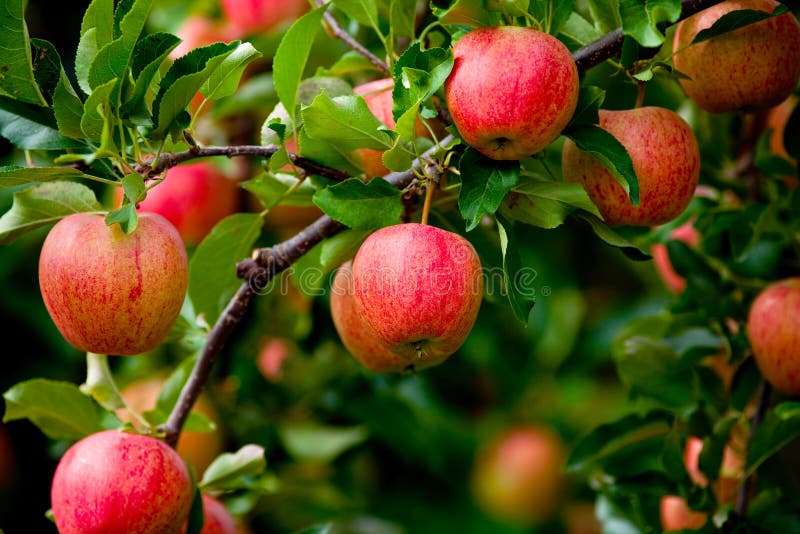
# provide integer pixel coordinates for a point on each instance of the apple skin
(512, 90)
(193, 198)
(753, 67)
(112, 293)
(217, 519)
(773, 328)
(115, 482)
(419, 288)
(666, 159)
(247, 17)
(676, 514)
(518, 476)
(674, 282)
(197, 448)
(357, 336)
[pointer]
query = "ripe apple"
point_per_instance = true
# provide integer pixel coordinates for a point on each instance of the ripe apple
(193, 198)
(358, 337)
(676, 514)
(518, 476)
(666, 159)
(674, 282)
(109, 292)
(197, 448)
(729, 474)
(756, 66)
(247, 17)
(217, 519)
(116, 482)
(512, 90)
(419, 288)
(197, 31)
(273, 353)
(773, 328)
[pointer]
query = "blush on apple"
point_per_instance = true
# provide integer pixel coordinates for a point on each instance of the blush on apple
(109, 292)
(685, 233)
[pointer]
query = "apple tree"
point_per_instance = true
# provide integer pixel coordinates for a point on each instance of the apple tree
(393, 265)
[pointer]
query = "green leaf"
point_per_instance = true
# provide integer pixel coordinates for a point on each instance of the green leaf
(402, 18)
(85, 54)
(44, 204)
(577, 31)
(133, 185)
(16, 65)
(100, 17)
(100, 384)
(67, 106)
(225, 79)
(319, 443)
(98, 112)
(364, 12)
(18, 176)
(359, 205)
(125, 216)
(779, 427)
(59, 409)
(464, 12)
(31, 127)
(212, 269)
(642, 19)
(610, 236)
(484, 184)
(516, 278)
(196, 520)
(336, 250)
(546, 204)
(229, 468)
(292, 55)
(272, 189)
(590, 98)
(171, 390)
(734, 20)
(148, 55)
(610, 152)
(346, 122)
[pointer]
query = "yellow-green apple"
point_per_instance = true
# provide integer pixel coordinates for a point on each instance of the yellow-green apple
(756, 66)
(357, 336)
(247, 17)
(193, 198)
(419, 288)
(109, 292)
(216, 518)
(116, 482)
(676, 514)
(773, 328)
(666, 159)
(518, 476)
(197, 448)
(512, 90)
(689, 235)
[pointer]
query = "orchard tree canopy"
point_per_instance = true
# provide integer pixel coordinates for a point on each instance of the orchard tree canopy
(383, 266)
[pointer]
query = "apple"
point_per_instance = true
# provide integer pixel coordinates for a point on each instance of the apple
(194, 198)
(773, 328)
(730, 471)
(271, 357)
(512, 90)
(247, 17)
(777, 118)
(216, 518)
(115, 482)
(756, 66)
(518, 476)
(109, 292)
(666, 159)
(357, 336)
(676, 514)
(419, 288)
(685, 233)
(197, 31)
(197, 448)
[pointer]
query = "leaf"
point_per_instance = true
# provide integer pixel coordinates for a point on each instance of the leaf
(365, 12)
(610, 236)
(341, 247)
(229, 468)
(590, 98)
(292, 55)
(484, 184)
(212, 269)
(44, 204)
(31, 127)
(319, 443)
(467, 12)
(402, 15)
(99, 383)
(359, 205)
(346, 122)
(546, 204)
(642, 19)
(100, 17)
(125, 216)
(516, 278)
(98, 111)
(779, 427)
(610, 152)
(271, 189)
(19, 176)
(59, 409)
(225, 79)
(148, 55)
(734, 20)
(16, 64)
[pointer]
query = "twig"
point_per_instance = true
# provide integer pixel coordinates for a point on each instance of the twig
(345, 37)
(761, 408)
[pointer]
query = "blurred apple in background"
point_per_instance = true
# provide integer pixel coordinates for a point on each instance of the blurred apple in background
(676, 514)
(274, 352)
(247, 17)
(674, 282)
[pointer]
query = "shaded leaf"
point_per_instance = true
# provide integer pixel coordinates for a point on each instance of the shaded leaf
(484, 184)
(518, 280)
(359, 205)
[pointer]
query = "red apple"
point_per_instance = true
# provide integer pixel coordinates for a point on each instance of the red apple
(274, 352)
(676, 514)
(419, 288)
(756, 66)
(109, 292)
(197, 31)
(194, 198)
(674, 282)
(773, 328)
(512, 90)
(518, 477)
(115, 482)
(666, 159)
(248, 17)
(729, 474)
(356, 334)
(216, 518)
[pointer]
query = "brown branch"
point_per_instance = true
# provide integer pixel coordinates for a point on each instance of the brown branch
(345, 37)
(761, 408)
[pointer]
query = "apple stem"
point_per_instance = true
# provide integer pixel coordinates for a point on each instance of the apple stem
(426, 207)
(764, 394)
(641, 90)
